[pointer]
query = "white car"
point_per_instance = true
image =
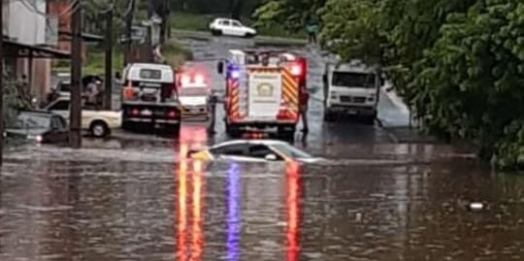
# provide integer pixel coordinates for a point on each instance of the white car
(194, 101)
(231, 27)
(253, 151)
(98, 123)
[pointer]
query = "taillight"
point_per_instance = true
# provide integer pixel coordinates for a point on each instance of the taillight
(135, 112)
(171, 114)
(296, 70)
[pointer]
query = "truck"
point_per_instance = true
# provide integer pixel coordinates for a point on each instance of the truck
(149, 97)
(262, 92)
(351, 89)
(98, 123)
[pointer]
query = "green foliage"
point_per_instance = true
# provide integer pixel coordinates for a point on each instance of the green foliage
(458, 63)
(12, 102)
(291, 14)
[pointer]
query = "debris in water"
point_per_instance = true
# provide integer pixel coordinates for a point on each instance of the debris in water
(476, 206)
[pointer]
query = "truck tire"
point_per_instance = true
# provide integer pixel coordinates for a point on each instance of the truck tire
(370, 120)
(232, 131)
(328, 116)
(99, 129)
(287, 133)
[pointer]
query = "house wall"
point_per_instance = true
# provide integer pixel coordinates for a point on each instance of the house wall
(25, 23)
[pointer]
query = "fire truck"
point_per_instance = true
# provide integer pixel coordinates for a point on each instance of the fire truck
(262, 91)
(149, 97)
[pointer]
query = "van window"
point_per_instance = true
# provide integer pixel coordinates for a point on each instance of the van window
(353, 80)
(150, 74)
(60, 106)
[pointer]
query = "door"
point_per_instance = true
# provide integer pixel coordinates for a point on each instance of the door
(226, 27)
(237, 28)
(59, 132)
(60, 107)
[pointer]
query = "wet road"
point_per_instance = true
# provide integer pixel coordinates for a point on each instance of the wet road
(134, 198)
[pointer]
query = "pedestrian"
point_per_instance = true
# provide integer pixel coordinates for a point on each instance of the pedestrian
(304, 99)
(312, 30)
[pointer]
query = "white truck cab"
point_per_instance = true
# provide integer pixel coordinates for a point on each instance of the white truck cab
(352, 89)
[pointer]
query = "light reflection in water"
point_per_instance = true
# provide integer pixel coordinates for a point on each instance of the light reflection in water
(189, 137)
(233, 213)
(197, 238)
(182, 206)
(292, 174)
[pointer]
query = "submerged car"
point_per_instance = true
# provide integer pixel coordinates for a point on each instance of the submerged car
(253, 151)
(40, 127)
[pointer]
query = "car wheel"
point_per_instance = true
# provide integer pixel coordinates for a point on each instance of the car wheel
(249, 35)
(99, 129)
(216, 32)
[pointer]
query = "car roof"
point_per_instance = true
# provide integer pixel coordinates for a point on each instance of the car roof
(260, 141)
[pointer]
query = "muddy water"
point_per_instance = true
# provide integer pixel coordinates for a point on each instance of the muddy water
(374, 205)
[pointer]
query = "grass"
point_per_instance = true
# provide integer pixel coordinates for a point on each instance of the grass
(174, 53)
(200, 22)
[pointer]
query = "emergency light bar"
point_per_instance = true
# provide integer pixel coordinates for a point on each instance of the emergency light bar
(188, 79)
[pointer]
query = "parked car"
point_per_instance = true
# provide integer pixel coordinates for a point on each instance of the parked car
(38, 126)
(98, 123)
(253, 151)
(231, 27)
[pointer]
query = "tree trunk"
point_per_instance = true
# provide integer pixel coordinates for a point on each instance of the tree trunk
(235, 7)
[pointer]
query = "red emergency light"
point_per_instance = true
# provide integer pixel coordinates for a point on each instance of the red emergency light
(191, 78)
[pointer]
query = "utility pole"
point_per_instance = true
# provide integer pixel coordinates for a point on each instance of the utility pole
(1, 84)
(129, 30)
(109, 58)
(75, 139)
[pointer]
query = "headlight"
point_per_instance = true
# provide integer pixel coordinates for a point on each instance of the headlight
(333, 95)
(37, 138)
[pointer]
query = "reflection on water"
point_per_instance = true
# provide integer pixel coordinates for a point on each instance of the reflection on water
(53, 209)
(233, 212)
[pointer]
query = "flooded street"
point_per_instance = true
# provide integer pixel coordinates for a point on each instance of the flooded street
(382, 194)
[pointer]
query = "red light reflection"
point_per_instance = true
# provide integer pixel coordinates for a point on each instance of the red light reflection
(189, 138)
(292, 174)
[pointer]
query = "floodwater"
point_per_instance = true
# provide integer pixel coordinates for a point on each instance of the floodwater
(374, 202)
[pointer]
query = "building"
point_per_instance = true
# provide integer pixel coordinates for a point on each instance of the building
(27, 47)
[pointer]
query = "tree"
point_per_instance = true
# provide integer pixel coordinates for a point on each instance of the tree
(458, 62)
(292, 14)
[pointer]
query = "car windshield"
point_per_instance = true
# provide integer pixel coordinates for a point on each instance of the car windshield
(354, 80)
(195, 91)
(291, 151)
(29, 121)
(64, 87)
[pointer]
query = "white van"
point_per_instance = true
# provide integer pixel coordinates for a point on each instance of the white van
(351, 89)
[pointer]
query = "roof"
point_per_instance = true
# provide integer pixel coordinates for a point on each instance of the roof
(159, 66)
(20, 50)
(259, 141)
(87, 37)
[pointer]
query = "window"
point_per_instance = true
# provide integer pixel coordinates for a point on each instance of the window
(230, 150)
(194, 91)
(64, 87)
(291, 151)
(354, 80)
(236, 23)
(150, 74)
(260, 151)
(225, 22)
(60, 106)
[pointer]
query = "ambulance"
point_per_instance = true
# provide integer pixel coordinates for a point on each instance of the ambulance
(262, 92)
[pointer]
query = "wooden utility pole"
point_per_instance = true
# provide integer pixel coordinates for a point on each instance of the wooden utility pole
(1, 84)
(109, 58)
(129, 31)
(75, 138)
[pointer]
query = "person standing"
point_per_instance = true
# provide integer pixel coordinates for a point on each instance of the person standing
(312, 31)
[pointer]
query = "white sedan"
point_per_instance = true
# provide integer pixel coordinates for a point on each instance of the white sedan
(231, 27)
(253, 151)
